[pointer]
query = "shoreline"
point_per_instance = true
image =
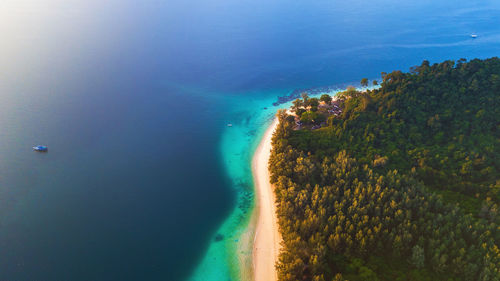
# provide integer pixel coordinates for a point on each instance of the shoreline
(266, 239)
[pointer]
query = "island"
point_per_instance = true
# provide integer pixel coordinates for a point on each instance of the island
(400, 182)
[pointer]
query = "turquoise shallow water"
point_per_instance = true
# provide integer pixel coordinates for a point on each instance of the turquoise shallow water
(250, 119)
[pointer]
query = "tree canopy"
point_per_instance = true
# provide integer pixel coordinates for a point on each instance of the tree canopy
(364, 82)
(326, 98)
(403, 185)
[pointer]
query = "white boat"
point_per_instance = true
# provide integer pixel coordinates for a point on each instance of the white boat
(40, 148)
(473, 35)
(229, 125)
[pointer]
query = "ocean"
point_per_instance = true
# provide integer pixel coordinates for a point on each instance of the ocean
(143, 179)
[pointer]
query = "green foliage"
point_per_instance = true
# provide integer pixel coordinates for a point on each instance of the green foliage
(326, 98)
(307, 110)
(417, 256)
(364, 82)
(357, 199)
(297, 104)
(314, 102)
(360, 272)
(305, 99)
(308, 117)
(300, 111)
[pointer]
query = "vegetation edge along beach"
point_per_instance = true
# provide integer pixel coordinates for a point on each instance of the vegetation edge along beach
(401, 184)
(262, 235)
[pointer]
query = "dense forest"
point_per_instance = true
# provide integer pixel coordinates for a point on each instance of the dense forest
(402, 185)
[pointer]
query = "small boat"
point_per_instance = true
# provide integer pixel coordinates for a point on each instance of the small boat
(473, 35)
(229, 125)
(40, 148)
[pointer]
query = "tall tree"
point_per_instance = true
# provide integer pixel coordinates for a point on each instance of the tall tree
(326, 98)
(297, 104)
(305, 99)
(364, 82)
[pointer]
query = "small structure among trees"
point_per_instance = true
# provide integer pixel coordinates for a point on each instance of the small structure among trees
(313, 113)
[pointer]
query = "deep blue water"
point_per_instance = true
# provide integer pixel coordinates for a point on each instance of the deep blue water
(133, 97)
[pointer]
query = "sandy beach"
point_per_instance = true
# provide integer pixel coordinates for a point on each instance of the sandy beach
(266, 245)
